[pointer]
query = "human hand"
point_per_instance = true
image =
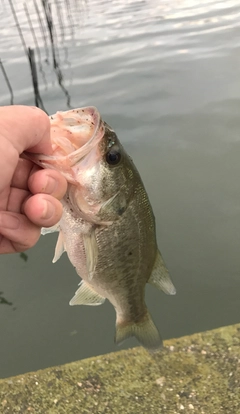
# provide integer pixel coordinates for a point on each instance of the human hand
(29, 196)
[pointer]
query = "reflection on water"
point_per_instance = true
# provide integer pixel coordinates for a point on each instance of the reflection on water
(51, 28)
(4, 301)
(5, 77)
(40, 21)
(165, 75)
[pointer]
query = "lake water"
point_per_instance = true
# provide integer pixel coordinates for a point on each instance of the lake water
(165, 75)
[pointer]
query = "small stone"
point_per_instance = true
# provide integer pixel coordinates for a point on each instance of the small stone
(203, 352)
(79, 384)
(171, 348)
(55, 401)
(160, 381)
(36, 383)
(191, 407)
(181, 407)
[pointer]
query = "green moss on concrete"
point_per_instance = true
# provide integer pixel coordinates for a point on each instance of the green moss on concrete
(194, 374)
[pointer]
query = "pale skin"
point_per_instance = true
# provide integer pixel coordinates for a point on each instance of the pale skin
(29, 196)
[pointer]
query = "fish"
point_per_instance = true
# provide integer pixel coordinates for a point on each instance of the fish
(108, 226)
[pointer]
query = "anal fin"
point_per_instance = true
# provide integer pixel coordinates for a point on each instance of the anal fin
(160, 277)
(85, 295)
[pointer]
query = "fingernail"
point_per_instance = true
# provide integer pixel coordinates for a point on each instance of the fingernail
(48, 210)
(51, 185)
(9, 221)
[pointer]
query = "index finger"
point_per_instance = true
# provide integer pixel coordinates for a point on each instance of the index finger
(26, 128)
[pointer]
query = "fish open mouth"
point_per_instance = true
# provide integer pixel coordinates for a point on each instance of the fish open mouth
(73, 135)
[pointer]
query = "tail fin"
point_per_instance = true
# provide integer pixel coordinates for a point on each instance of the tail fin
(144, 330)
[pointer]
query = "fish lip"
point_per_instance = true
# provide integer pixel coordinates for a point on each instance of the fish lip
(98, 133)
(80, 153)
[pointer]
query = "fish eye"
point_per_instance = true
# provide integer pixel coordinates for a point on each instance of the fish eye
(113, 157)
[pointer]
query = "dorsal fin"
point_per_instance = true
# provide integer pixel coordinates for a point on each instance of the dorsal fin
(160, 277)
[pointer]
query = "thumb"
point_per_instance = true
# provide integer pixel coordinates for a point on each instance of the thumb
(26, 128)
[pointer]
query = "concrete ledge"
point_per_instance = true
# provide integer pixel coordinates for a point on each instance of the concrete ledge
(194, 374)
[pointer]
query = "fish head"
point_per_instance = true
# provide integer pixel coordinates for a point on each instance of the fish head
(100, 174)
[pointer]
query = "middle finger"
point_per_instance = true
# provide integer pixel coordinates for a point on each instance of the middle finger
(21, 175)
(49, 182)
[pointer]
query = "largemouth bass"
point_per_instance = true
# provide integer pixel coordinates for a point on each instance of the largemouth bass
(107, 227)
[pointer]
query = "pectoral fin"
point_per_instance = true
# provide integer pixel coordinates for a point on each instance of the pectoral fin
(114, 207)
(91, 250)
(46, 230)
(60, 247)
(108, 203)
(160, 277)
(85, 295)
